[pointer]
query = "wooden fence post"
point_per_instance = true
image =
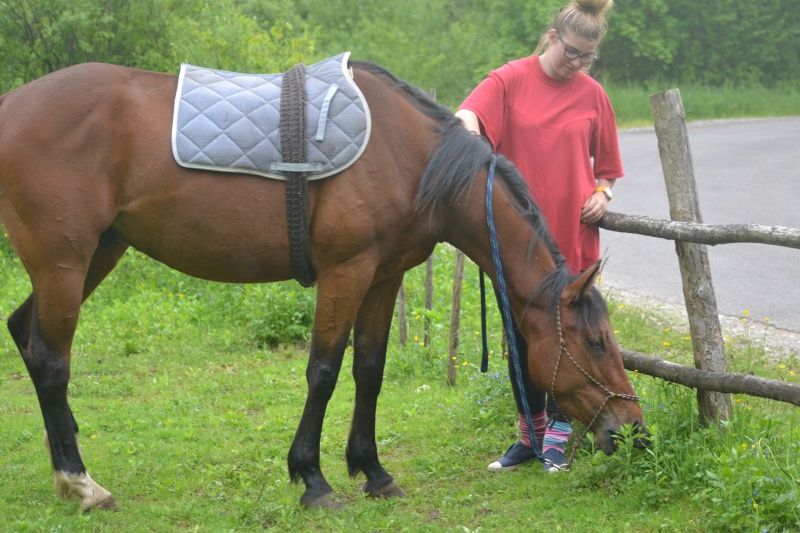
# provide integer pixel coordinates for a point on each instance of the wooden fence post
(402, 321)
(455, 318)
(428, 299)
(698, 290)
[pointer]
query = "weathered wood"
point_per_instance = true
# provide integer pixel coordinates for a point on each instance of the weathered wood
(701, 233)
(428, 299)
(455, 318)
(698, 290)
(402, 322)
(722, 382)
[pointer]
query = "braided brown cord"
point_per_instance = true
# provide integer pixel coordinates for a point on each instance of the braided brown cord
(293, 149)
(609, 395)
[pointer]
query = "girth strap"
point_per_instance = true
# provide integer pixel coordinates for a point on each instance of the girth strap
(293, 149)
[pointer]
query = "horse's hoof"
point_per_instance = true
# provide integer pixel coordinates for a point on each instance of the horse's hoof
(390, 490)
(322, 501)
(108, 504)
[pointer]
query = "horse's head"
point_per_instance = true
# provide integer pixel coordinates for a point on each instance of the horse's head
(579, 361)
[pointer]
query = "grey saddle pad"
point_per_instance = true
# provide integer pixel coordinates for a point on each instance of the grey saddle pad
(229, 122)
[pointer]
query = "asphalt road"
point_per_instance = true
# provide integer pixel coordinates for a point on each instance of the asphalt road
(747, 171)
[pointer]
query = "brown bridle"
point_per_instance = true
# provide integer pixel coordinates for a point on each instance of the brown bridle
(609, 395)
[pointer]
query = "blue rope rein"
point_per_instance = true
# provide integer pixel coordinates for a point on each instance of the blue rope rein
(505, 308)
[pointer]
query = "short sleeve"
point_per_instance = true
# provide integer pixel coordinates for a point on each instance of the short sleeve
(487, 101)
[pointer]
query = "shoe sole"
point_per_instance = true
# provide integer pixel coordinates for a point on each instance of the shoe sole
(505, 468)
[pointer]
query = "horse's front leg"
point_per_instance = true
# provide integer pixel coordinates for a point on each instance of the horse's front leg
(370, 340)
(337, 304)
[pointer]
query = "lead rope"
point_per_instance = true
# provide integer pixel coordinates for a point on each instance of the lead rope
(505, 308)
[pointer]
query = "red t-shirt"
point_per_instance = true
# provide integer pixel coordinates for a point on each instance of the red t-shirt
(562, 135)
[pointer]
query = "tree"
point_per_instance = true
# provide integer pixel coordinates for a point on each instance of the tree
(40, 36)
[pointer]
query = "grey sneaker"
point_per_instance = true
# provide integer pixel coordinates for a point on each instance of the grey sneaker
(516, 455)
(555, 461)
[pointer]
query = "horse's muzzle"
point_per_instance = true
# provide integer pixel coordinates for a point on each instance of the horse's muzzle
(609, 439)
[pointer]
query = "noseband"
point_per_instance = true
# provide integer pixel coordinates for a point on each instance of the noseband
(512, 345)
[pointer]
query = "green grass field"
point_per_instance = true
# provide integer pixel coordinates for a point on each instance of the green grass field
(188, 394)
(187, 413)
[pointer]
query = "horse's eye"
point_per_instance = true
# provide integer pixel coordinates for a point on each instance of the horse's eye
(597, 344)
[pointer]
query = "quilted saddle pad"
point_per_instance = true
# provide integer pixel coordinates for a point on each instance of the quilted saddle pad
(229, 122)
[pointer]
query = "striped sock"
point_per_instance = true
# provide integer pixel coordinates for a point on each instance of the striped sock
(539, 425)
(557, 436)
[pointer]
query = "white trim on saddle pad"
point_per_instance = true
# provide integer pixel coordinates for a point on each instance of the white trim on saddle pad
(229, 122)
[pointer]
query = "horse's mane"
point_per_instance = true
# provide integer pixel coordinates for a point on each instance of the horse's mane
(451, 170)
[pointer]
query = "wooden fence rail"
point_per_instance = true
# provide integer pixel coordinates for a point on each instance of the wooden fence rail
(695, 378)
(701, 233)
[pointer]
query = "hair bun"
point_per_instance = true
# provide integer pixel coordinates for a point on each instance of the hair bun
(595, 7)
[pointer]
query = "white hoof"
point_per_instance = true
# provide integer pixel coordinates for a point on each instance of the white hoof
(92, 495)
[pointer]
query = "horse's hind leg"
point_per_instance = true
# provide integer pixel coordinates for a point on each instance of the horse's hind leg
(43, 328)
(370, 340)
(103, 262)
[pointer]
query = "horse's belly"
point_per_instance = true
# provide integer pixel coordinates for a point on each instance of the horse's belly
(216, 227)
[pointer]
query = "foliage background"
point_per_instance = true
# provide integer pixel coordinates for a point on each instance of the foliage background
(447, 44)
(144, 387)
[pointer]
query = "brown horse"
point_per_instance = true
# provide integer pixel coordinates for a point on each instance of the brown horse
(86, 170)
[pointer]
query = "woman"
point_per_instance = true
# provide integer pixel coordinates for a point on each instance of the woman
(555, 122)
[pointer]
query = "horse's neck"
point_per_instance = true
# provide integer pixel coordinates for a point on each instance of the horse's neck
(525, 257)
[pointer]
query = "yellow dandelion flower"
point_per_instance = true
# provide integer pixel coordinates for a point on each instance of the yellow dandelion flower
(766, 319)
(416, 338)
(454, 358)
(180, 296)
(791, 372)
(170, 295)
(422, 344)
(687, 338)
(667, 343)
(477, 333)
(94, 436)
(667, 330)
(621, 307)
(745, 312)
(744, 445)
(260, 428)
(755, 506)
(752, 446)
(781, 366)
(616, 332)
(464, 363)
(738, 400)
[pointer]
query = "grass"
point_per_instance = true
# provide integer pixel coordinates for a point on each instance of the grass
(632, 104)
(188, 394)
(187, 413)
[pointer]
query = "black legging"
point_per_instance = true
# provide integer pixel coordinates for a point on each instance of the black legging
(534, 395)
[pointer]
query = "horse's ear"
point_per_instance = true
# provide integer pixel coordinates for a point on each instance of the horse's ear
(579, 288)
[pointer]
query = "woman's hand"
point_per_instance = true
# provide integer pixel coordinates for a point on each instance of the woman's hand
(594, 208)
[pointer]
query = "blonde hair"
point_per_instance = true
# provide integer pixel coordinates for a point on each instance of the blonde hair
(583, 18)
